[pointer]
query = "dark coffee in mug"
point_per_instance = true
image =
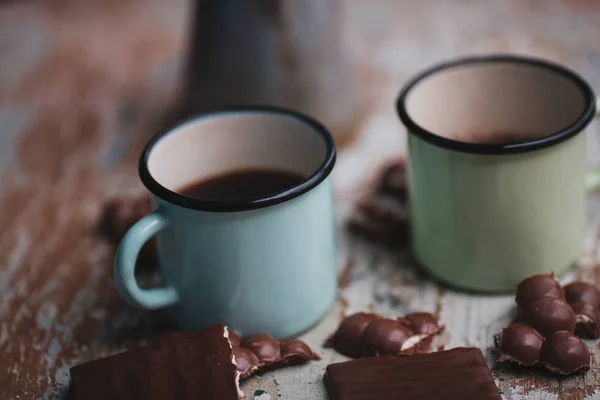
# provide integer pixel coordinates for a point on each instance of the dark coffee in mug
(242, 185)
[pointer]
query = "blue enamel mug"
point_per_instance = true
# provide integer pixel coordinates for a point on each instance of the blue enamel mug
(265, 265)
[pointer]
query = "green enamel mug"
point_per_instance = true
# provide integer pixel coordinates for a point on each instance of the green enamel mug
(497, 169)
(265, 264)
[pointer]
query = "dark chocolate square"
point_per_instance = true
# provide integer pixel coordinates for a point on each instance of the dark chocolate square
(460, 374)
(191, 365)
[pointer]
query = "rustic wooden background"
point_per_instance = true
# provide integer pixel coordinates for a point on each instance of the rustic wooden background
(83, 85)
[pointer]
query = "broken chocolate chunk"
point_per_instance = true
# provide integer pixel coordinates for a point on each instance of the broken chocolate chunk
(348, 337)
(564, 353)
(266, 347)
(584, 298)
(520, 344)
(548, 315)
(587, 320)
(261, 352)
(384, 337)
(245, 361)
(194, 365)
(460, 374)
(295, 350)
(367, 334)
(422, 323)
(234, 339)
(537, 286)
(544, 336)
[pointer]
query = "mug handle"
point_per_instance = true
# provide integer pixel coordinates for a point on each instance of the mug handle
(592, 178)
(130, 246)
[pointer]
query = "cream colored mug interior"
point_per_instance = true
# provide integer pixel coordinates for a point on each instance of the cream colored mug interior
(496, 102)
(219, 143)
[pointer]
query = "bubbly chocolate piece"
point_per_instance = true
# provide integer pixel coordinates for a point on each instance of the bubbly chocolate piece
(544, 335)
(548, 315)
(295, 350)
(564, 353)
(456, 374)
(246, 361)
(384, 337)
(261, 352)
(584, 298)
(587, 320)
(520, 344)
(537, 286)
(348, 337)
(367, 334)
(264, 346)
(422, 323)
(582, 292)
(183, 365)
(234, 339)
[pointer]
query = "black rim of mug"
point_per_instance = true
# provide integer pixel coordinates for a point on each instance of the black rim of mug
(509, 148)
(232, 206)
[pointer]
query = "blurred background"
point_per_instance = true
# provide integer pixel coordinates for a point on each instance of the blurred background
(85, 83)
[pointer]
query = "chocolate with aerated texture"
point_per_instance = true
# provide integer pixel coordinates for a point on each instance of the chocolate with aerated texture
(262, 352)
(456, 374)
(584, 298)
(368, 334)
(544, 334)
(246, 361)
(587, 320)
(421, 323)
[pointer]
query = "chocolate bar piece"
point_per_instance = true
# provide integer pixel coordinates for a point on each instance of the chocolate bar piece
(196, 365)
(543, 335)
(261, 352)
(584, 298)
(460, 374)
(368, 334)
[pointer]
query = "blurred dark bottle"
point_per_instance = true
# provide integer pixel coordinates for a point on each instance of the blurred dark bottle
(285, 53)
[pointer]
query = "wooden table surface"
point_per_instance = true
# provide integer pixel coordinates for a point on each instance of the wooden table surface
(82, 86)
